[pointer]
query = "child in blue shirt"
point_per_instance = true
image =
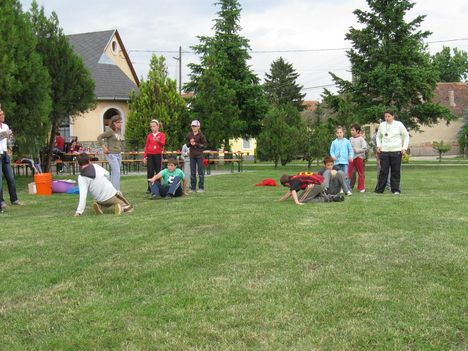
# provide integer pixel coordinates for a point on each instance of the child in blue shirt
(171, 184)
(341, 150)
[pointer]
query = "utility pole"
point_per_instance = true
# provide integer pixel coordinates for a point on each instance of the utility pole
(180, 68)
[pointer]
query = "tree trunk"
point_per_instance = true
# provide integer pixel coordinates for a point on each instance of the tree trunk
(47, 154)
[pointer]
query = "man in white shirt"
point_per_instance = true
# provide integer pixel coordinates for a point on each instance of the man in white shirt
(5, 167)
(392, 143)
(95, 180)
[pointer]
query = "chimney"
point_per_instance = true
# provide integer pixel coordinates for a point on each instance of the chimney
(451, 95)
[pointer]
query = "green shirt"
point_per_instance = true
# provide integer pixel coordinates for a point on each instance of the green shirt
(168, 177)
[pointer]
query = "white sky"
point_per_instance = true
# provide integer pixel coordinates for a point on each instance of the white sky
(270, 25)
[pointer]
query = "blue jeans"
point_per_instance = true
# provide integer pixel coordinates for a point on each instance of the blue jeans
(114, 162)
(1, 178)
(196, 163)
(174, 189)
(10, 179)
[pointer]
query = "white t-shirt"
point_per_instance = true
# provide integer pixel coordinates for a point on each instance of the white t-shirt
(3, 140)
(100, 188)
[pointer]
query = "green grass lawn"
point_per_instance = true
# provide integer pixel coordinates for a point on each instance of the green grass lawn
(233, 269)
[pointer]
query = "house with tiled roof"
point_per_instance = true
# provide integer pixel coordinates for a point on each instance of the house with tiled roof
(104, 55)
(455, 97)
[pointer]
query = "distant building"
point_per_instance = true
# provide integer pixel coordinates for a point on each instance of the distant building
(455, 97)
(104, 55)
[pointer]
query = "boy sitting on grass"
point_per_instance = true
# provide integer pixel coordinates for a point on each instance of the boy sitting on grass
(313, 190)
(172, 182)
(94, 178)
(334, 178)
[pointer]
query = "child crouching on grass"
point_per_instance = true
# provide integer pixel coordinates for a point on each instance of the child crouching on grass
(311, 184)
(172, 182)
(95, 180)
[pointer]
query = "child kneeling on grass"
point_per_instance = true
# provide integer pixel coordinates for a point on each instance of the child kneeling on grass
(172, 182)
(94, 178)
(311, 184)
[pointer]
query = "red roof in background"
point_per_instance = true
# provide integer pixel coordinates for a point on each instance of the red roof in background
(460, 96)
(310, 105)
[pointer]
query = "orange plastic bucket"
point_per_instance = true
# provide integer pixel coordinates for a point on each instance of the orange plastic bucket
(43, 183)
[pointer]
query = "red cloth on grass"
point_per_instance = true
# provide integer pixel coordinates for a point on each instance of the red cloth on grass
(267, 182)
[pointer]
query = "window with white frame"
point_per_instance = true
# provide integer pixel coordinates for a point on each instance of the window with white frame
(246, 143)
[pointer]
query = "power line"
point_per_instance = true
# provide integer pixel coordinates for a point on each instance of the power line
(319, 86)
(288, 50)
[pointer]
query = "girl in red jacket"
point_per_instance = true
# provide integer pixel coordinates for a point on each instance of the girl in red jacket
(154, 148)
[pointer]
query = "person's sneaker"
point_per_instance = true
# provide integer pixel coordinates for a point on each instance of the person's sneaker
(118, 209)
(191, 190)
(349, 193)
(168, 197)
(396, 193)
(327, 198)
(3, 205)
(97, 209)
(128, 209)
(17, 203)
(156, 197)
(200, 190)
(338, 198)
(362, 191)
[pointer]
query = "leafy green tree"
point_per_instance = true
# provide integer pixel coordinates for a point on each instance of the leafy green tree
(24, 81)
(319, 137)
(281, 85)
(157, 99)
(226, 52)
(282, 136)
(391, 66)
(72, 87)
(451, 68)
(441, 148)
(463, 134)
(345, 111)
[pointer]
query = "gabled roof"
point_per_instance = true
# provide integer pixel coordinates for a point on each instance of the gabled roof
(111, 82)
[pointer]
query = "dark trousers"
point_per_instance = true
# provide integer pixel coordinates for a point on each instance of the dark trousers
(174, 189)
(389, 162)
(153, 166)
(196, 163)
(8, 174)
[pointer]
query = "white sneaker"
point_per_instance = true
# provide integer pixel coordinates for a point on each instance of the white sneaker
(396, 193)
(362, 191)
(349, 193)
(200, 190)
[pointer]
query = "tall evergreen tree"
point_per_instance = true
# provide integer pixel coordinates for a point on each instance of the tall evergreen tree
(281, 85)
(391, 66)
(283, 135)
(227, 53)
(451, 68)
(158, 99)
(72, 87)
(24, 81)
(213, 102)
